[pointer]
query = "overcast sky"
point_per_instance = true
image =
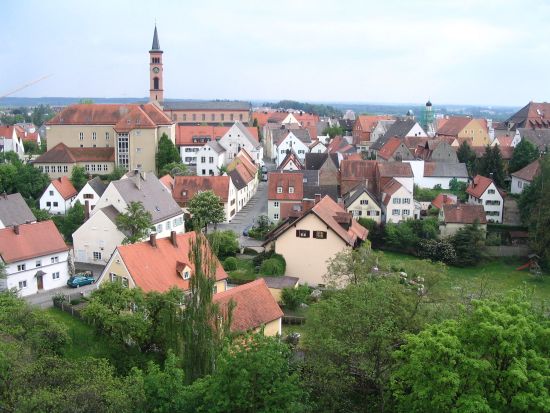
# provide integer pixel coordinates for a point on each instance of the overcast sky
(453, 51)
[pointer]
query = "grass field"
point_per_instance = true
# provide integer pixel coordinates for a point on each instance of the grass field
(498, 276)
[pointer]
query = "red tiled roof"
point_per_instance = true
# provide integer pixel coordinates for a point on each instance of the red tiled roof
(191, 185)
(479, 186)
(167, 181)
(387, 151)
(389, 189)
(452, 126)
(33, 240)
(65, 187)
(291, 157)
(464, 214)
(285, 180)
(255, 306)
(156, 268)
(506, 152)
(60, 153)
(395, 169)
(357, 169)
(529, 172)
(444, 199)
(185, 133)
(111, 114)
(26, 136)
(504, 140)
(332, 213)
(6, 132)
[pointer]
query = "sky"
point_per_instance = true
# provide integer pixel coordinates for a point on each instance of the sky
(487, 52)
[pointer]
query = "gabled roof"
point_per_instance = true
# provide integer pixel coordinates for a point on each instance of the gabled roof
(7, 132)
(64, 186)
(206, 105)
(147, 189)
(389, 148)
(334, 216)
(285, 180)
(302, 135)
(167, 181)
(312, 191)
(254, 305)
(400, 128)
(25, 135)
(358, 170)
(453, 125)
(244, 165)
(389, 189)
(61, 153)
(464, 214)
(237, 179)
(216, 147)
(284, 281)
(33, 240)
(314, 161)
(291, 157)
(532, 115)
(14, 210)
(444, 199)
(97, 185)
(479, 185)
(139, 116)
(156, 268)
(394, 169)
(445, 169)
(528, 172)
(368, 122)
(245, 132)
(186, 187)
(538, 137)
(352, 195)
(186, 133)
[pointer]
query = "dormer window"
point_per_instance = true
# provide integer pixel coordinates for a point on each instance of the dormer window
(290, 189)
(186, 275)
(279, 189)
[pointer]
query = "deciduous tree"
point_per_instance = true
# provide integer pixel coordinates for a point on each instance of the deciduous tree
(524, 153)
(206, 208)
(78, 177)
(167, 152)
(491, 165)
(136, 223)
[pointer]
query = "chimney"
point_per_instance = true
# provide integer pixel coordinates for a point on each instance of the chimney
(16, 229)
(153, 240)
(317, 198)
(59, 179)
(174, 239)
(86, 210)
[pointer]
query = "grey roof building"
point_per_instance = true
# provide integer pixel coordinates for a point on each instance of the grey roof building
(538, 137)
(97, 185)
(350, 197)
(14, 210)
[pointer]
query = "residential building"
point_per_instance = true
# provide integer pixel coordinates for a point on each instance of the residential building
(213, 112)
(89, 194)
(291, 162)
(462, 127)
(539, 137)
(283, 187)
(394, 149)
(186, 187)
(524, 177)
(133, 130)
(483, 191)
(318, 235)
(356, 172)
(14, 211)
(10, 141)
(244, 174)
(404, 127)
(28, 132)
(297, 140)
(436, 150)
(444, 199)
(533, 116)
(254, 309)
(278, 283)
(60, 160)
(456, 216)
(361, 203)
(397, 201)
(97, 238)
(317, 147)
(365, 125)
(430, 174)
(59, 196)
(35, 257)
(158, 264)
(210, 159)
(327, 165)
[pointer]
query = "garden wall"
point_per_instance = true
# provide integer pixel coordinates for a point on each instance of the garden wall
(508, 251)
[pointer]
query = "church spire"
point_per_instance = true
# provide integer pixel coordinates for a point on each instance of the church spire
(156, 44)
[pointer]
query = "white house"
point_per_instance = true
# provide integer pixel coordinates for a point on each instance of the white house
(97, 238)
(361, 203)
(296, 141)
(317, 147)
(210, 159)
(524, 177)
(239, 137)
(430, 174)
(10, 141)
(397, 201)
(91, 192)
(59, 196)
(35, 257)
(483, 191)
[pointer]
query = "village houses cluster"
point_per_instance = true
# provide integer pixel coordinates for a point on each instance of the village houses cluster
(317, 188)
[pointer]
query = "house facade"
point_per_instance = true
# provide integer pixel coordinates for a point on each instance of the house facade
(361, 203)
(210, 159)
(14, 211)
(283, 187)
(430, 174)
(483, 191)
(524, 177)
(59, 196)
(456, 216)
(89, 195)
(397, 201)
(291, 142)
(35, 257)
(10, 141)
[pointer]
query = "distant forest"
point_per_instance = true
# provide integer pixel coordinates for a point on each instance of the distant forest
(315, 108)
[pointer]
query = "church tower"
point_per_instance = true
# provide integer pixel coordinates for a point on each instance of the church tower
(156, 89)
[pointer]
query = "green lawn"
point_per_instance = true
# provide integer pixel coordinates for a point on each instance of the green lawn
(244, 272)
(497, 276)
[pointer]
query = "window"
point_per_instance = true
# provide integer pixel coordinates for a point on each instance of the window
(58, 168)
(406, 212)
(203, 159)
(302, 233)
(167, 225)
(46, 169)
(93, 167)
(213, 117)
(194, 116)
(94, 136)
(395, 212)
(301, 151)
(123, 150)
(138, 150)
(211, 159)
(38, 263)
(81, 136)
(107, 136)
(48, 204)
(186, 275)
(22, 284)
(276, 204)
(231, 117)
(396, 200)
(241, 117)
(55, 204)
(203, 117)
(51, 193)
(279, 189)
(21, 267)
(97, 255)
(491, 191)
(290, 189)
(105, 167)
(406, 200)
(88, 196)
(54, 260)
(364, 202)
(184, 117)
(275, 216)
(320, 234)
(65, 168)
(488, 202)
(55, 275)
(159, 228)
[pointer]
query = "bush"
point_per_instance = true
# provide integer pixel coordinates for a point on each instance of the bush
(261, 257)
(493, 239)
(76, 301)
(272, 266)
(230, 264)
(437, 250)
(469, 244)
(292, 298)
(250, 251)
(368, 223)
(224, 243)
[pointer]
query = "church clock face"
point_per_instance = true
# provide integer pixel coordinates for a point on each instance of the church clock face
(156, 69)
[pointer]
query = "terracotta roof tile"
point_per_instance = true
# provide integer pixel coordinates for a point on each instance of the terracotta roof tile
(33, 240)
(444, 199)
(186, 133)
(285, 180)
(186, 187)
(7, 132)
(395, 169)
(389, 148)
(529, 172)
(65, 187)
(167, 181)
(453, 126)
(479, 185)
(254, 305)
(155, 268)
(389, 189)
(60, 153)
(464, 214)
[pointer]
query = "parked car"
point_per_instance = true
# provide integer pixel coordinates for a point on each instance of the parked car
(264, 169)
(79, 280)
(247, 229)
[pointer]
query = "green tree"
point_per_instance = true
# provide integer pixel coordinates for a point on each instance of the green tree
(469, 245)
(78, 177)
(224, 243)
(16, 176)
(491, 165)
(203, 325)
(524, 153)
(351, 266)
(30, 147)
(206, 208)
(261, 227)
(69, 223)
(333, 131)
(136, 223)
(174, 169)
(118, 172)
(466, 155)
(167, 152)
(493, 358)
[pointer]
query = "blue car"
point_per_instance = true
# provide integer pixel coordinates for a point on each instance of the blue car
(247, 229)
(79, 280)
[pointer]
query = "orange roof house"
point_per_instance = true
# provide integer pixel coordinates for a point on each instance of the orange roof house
(158, 264)
(363, 126)
(444, 199)
(60, 153)
(65, 187)
(285, 186)
(254, 308)
(186, 187)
